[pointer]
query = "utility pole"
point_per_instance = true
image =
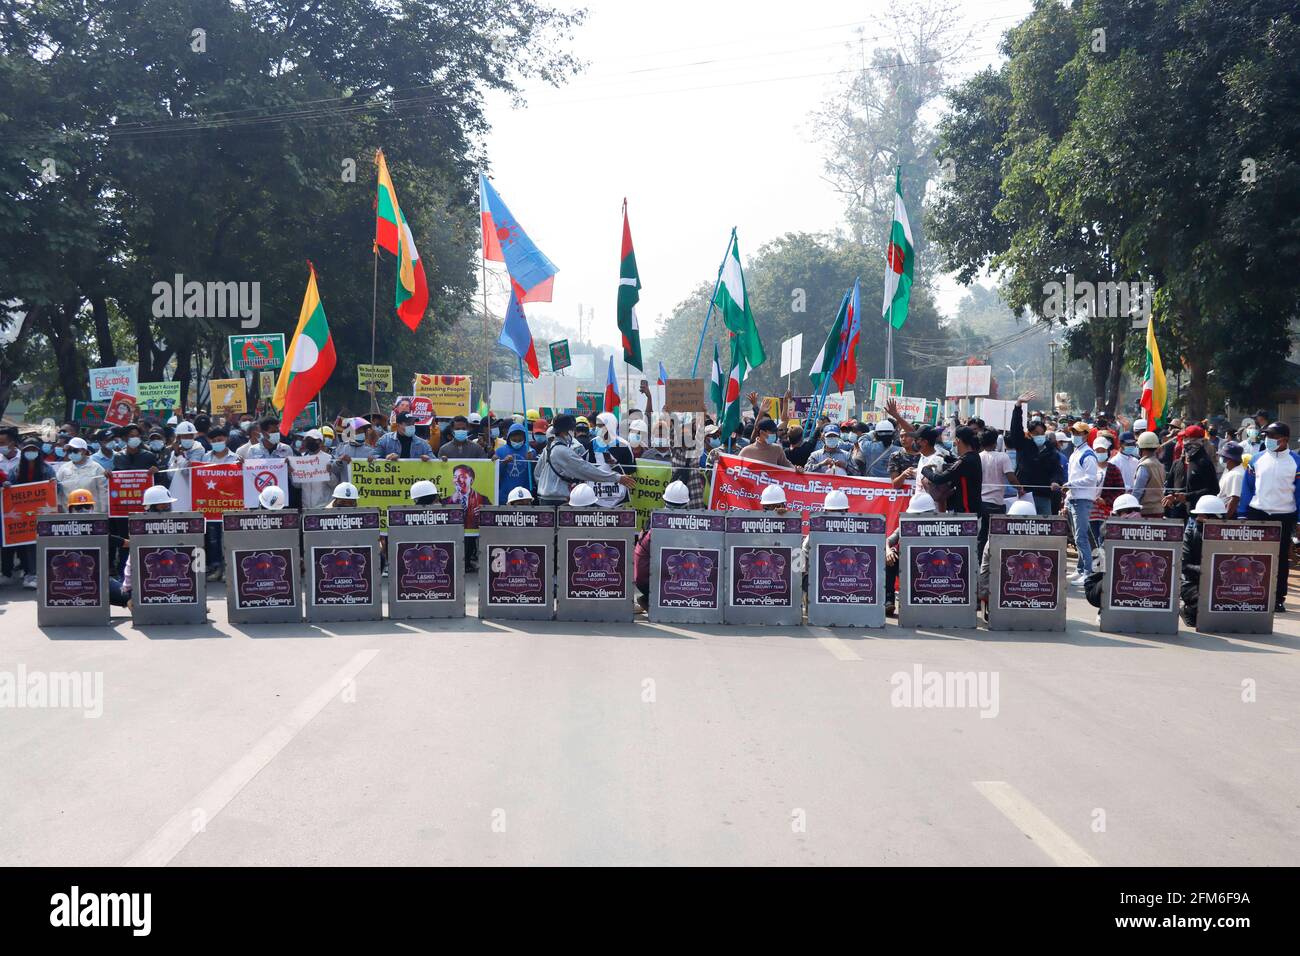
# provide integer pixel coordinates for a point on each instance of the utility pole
(1051, 402)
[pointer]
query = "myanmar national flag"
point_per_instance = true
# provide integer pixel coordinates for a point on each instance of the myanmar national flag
(899, 259)
(715, 382)
(309, 361)
(394, 235)
(839, 352)
(1155, 392)
(732, 301)
(731, 394)
(612, 399)
(629, 294)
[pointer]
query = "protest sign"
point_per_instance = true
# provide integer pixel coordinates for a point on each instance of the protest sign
(89, 414)
(309, 417)
(22, 503)
(968, 381)
(839, 405)
(739, 483)
(554, 391)
(121, 409)
(450, 393)
(505, 398)
(651, 478)
(996, 414)
(266, 383)
(471, 483)
(261, 473)
(910, 409)
(117, 378)
(882, 388)
(158, 396)
(309, 469)
(228, 395)
(560, 358)
(590, 404)
(213, 489)
(685, 395)
(378, 377)
(126, 491)
(252, 353)
(791, 355)
(418, 407)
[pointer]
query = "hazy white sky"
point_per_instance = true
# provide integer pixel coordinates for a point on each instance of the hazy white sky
(698, 111)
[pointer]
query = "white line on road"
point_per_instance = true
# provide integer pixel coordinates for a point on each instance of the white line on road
(838, 647)
(1033, 823)
(675, 630)
(181, 828)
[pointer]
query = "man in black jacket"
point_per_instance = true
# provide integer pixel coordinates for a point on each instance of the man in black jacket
(1038, 466)
(1191, 476)
(965, 475)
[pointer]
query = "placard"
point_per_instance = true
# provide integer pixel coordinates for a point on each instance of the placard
(470, 483)
(121, 410)
(309, 469)
(252, 353)
(158, 396)
(996, 413)
(590, 404)
(450, 393)
(126, 490)
(117, 378)
(266, 383)
(22, 503)
(686, 395)
(560, 358)
(228, 395)
(89, 414)
(791, 356)
(1141, 579)
(309, 417)
(968, 381)
(909, 409)
(378, 377)
(883, 388)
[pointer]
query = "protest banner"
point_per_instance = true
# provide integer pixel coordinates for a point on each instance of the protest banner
(213, 489)
(378, 377)
(685, 395)
(261, 473)
(89, 414)
(126, 491)
(590, 404)
(450, 393)
(158, 396)
(560, 358)
(739, 482)
(118, 378)
(228, 395)
(22, 503)
(883, 388)
(470, 482)
(308, 469)
(252, 353)
(651, 478)
(121, 409)
(968, 381)
(309, 417)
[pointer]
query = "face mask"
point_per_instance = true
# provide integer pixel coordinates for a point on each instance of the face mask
(715, 442)
(1252, 433)
(81, 509)
(94, 446)
(245, 426)
(1190, 448)
(516, 443)
(459, 434)
(495, 433)
(187, 443)
(599, 446)
(297, 444)
(1131, 451)
(46, 448)
(74, 457)
(272, 438)
(1040, 440)
(31, 455)
(60, 452)
(155, 445)
(1077, 441)
(947, 445)
(773, 439)
(218, 447)
(312, 446)
(832, 443)
(1270, 444)
(8, 451)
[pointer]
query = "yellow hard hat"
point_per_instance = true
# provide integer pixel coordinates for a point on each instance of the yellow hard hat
(327, 431)
(532, 415)
(80, 497)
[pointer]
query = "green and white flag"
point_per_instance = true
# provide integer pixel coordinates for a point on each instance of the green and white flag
(730, 419)
(899, 259)
(733, 303)
(715, 383)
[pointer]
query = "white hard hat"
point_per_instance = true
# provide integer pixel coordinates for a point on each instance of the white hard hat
(836, 501)
(773, 495)
(422, 489)
(474, 418)
(272, 498)
(1101, 444)
(677, 493)
(1022, 509)
(314, 433)
(519, 494)
(885, 425)
(172, 420)
(186, 428)
(158, 495)
(1126, 503)
(583, 496)
(345, 490)
(1210, 505)
(79, 443)
(920, 502)
(1140, 426)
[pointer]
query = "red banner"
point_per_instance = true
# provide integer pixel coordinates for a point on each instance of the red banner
(216, 489)
(126, 491)
(739, 482)
(22, 503)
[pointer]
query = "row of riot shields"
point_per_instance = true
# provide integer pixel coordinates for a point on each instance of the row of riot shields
(571, 564)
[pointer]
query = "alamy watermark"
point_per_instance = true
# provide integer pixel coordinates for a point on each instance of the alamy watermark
(53, 690)
(1105, 300)
(208, 300)
(946, 689)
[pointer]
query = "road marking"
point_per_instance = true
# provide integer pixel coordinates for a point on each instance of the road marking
(841, 650)
(1033, 823)
(695, 635)
(180, 829)
(503, 627)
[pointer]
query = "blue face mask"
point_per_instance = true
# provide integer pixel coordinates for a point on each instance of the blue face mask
(218, 447)
(94, 446)
(1040, 440)
(408, 431)
(495, 433)
(460, 434)
(60, 452)
(1270, 444)
(1131, 451)
(46, 448)
(1077, 441)
(599, 446)
(75, 457)
(773, 439)
(714, 442)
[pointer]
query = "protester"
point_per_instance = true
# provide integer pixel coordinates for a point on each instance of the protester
(1083, 484)
(833, 458)
(583, 495)
(1149, 478)
(272, 498)
(1208, 506)
(102, 450)
(921, 504)
(157, 500)
(81, 502)
(1270, 492)
(345, 495)
(81, 472)
(676, 497)
(958, 482)
(460, 445)
(1112, 486)
(773, 499)
(268, 445)
(996, 476)
(872, 452)
(1192, 475)
(563, 464)
(767, 446)
(315, 494)
(31, 468)
(608, 449)
(520, 498)
(517, 461)
(1234, 475)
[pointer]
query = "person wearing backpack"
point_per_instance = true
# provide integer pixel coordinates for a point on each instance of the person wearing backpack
(1083, 482)
(563, 464)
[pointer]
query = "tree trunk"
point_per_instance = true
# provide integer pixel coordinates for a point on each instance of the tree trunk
(103, 337)
(1118, 347)
(1100, 374)
(183, 374)
(60, 327)
(10, 366)
(1198, 387)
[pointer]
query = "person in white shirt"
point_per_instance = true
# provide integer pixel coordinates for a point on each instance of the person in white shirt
(1234, 473)
(1269, 493)
(1083, 482)
(81, 471)
(996, 475)
(1127, 460)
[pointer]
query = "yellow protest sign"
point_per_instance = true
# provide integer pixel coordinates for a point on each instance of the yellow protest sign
(449, 393)
(228, 395)
(470, 482)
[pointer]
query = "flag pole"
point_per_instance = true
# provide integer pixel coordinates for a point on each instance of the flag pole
(709, 314)
(523, 395)
(487, 344)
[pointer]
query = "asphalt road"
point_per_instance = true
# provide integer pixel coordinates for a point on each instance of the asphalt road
(479, 743)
